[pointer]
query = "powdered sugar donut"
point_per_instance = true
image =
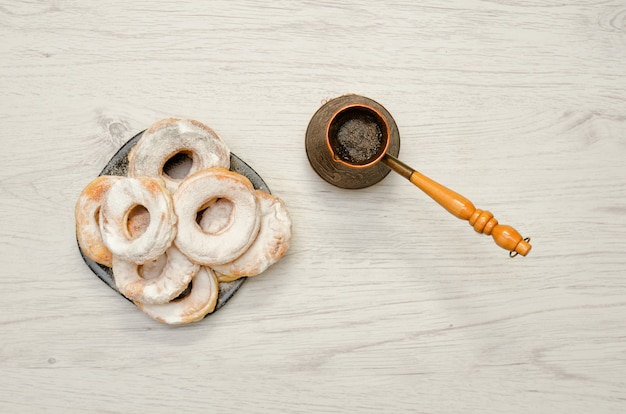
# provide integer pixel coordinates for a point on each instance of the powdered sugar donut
(200, 301)
(271, 244)
(157, 286)
(169, 137)
(201, 190)
(87, 214)
(125, 195)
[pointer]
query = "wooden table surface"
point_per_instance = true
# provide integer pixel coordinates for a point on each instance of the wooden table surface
(385, 302)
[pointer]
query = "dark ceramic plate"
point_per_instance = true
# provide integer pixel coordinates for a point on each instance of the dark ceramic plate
(118, 165)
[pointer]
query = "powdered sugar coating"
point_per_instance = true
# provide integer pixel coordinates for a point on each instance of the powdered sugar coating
(172, 136)
(202, 189)
(271, 244)
(121, 198)
(161, 288)
(200, 301)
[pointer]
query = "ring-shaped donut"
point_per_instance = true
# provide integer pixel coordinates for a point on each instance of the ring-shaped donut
(200, 301)
(167, 138)
(270, 245)
(123, 196)
(200, 190)
(152, 288)
(87, 214)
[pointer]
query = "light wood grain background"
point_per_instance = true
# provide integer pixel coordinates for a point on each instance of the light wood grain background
(385, 302)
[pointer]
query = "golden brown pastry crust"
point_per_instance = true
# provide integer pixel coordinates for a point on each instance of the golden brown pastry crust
(87, 215)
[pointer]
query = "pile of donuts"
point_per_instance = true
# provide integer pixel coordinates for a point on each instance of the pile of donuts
(171, 241)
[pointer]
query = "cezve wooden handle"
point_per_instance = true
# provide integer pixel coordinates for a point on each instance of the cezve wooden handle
(483, 221)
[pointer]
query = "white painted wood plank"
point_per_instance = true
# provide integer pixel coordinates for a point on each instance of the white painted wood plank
(384, 302)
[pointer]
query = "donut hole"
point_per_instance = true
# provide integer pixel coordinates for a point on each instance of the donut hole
(137, 221)
(184, 293)
(216, 216)
(178, 165)
(152, 269)
(96, 216)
